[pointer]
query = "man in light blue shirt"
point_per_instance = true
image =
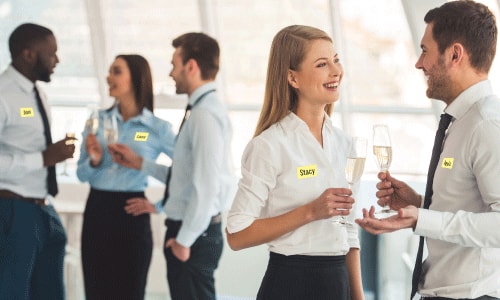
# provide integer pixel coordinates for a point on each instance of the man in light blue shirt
(200, 183)
(199, 186)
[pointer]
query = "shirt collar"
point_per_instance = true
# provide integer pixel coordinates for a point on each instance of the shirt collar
(20, 79)
(146, 117)
(467, 98)
(200, 91)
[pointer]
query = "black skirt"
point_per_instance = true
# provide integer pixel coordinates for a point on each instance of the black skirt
(303, 277)
(116, 247)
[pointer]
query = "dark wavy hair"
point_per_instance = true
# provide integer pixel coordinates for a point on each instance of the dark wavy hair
(469, 23)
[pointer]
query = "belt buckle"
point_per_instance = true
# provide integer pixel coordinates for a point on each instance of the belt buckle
(48, 200)
(39, 201)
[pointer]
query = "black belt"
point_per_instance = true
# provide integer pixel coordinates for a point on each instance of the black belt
(6, 194)
(217, 219)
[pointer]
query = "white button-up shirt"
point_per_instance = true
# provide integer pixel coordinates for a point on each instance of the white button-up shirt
(462, 224)
(272, 184)
(22, 138)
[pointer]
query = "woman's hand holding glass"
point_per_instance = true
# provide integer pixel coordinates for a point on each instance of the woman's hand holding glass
(94, 150)
(333, 202)
(111, 135)
(354, 167)
(92, 123)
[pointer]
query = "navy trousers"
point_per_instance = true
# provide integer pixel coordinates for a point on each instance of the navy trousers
(194, 279)
(32, 247)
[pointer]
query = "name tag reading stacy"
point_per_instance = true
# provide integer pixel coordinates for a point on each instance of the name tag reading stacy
(27, 112)
(447, 163)
(141, 136)
(307, 171)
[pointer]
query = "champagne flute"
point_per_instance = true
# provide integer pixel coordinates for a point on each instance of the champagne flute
(92, 123)
(382, 149)
(354, 167)
(70, 133)
(111, 132)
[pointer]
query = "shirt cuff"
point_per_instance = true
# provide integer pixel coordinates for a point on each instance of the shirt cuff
(186, 238)
(148, 167)
(159, 206)
(429, 223)
(352, 236)
(236, 223)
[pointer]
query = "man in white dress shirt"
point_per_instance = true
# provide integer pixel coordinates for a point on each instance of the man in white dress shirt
(32, 238)
(461, 224)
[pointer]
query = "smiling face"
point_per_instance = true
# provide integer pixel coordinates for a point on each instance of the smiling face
(319, 75)
(439, 84)
(119, 80)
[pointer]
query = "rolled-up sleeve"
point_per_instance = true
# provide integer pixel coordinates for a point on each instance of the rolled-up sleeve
(253, 188)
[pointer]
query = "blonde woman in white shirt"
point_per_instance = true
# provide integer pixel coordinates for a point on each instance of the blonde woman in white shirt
(293, 177)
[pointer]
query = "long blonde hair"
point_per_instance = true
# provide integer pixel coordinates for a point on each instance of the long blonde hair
(287, 53)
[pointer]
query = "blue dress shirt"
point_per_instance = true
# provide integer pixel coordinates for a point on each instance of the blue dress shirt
(202, 182)
(146, 134)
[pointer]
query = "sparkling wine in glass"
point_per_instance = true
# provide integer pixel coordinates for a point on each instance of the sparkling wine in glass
(92, 123)
(70, 140)
(111, 132)
(354, 167)
(382, 149)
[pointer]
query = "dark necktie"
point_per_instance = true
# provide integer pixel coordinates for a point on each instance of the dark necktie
(167, 182)
(187, 113)
(436, 153)
(51, 177)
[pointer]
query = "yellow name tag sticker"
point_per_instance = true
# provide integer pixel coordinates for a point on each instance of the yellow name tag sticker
(141, 136)
(307, 171)
(447, 163)
(27, 112)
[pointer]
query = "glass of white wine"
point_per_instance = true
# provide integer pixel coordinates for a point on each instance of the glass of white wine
(354, 167)
(71, 138)
(382, 149)
(92, 123)
(111, 131)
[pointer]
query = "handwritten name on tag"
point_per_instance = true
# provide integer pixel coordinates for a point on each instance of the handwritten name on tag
(27, 112)
(141, 136)
(307, 171)
(447, 163)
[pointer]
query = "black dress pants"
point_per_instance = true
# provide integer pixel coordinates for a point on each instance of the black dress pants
(194, 279)
(116, 248)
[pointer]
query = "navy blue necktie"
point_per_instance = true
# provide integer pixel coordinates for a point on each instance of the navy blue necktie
(51, 177)
(444, 122)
